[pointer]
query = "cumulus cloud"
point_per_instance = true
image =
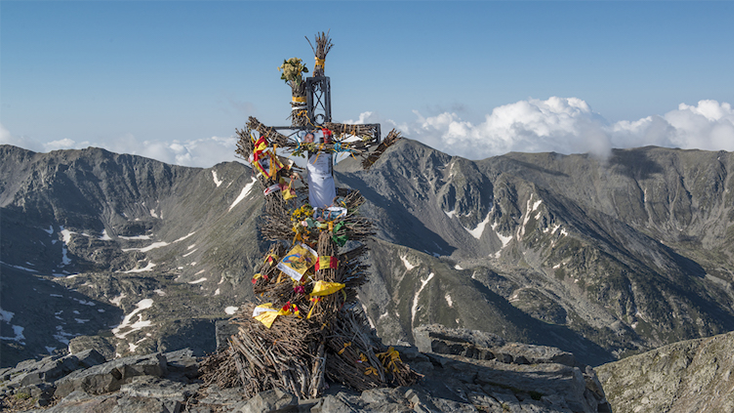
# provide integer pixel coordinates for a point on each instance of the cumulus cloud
(568, 125)
(564, 125)
(709, 125)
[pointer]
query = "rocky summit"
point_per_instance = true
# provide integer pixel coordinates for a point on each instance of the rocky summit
(465, 372)
(602, 258)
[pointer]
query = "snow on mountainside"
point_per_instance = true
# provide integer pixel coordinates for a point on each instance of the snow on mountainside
(597, 257)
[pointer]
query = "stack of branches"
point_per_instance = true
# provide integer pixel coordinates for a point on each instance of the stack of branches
(344, 130)
(342, 142)
(316, 333)
(260, 358)
(357, 358)
(389, 140)
(273, 136)
(323, 45)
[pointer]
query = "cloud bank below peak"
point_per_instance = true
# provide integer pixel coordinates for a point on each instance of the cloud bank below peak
(563, 125)
(568, 125)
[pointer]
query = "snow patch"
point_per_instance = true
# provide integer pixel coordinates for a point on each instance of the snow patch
(18, 267)
(105, 236)
(66, 235)
(505, 240)
(184, 237)
(458, 267)
(190, 246)
(142, 305)
(216, 292)
(189, 253)
(217, 181)
(137, 237)
(449, 301)
(18, 334)
(159, 292)
(6, 315)
(244, 193)
(148, 267)
(200, 280)
(117, 301)
(149, 247)
(50, 230)
(414, 307)
(450, 214)
(153, 213)
(231, 310)
(408, 265)
(537, 204)
(479, 230)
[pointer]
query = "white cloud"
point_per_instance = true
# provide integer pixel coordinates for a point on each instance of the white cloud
(565, 125)
(568, 125)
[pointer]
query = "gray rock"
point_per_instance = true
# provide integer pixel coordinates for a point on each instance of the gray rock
(158, 388)
(182, 363)
(690, 376)
(485, 346)
(100, 344)
(145, 405)
(271, 401)
(111, 375)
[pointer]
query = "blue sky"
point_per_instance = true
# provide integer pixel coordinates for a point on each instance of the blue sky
(173, 79)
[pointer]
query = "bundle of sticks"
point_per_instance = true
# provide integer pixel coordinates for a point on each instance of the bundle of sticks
(323, 45)
(309, 325)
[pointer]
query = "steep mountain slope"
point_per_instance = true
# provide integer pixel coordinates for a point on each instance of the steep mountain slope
(595, 257)
(630, 253)
(143, 253)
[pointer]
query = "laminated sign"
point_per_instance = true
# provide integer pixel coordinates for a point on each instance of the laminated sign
(297, 261)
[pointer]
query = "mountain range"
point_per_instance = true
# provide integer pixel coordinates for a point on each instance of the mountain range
(602, 257)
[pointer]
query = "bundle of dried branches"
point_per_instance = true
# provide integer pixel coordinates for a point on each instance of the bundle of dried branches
(334, 339)
(273, 136)
(275, 358)
(323, 45)
(342, 130)
(351, 358)
(389, 140)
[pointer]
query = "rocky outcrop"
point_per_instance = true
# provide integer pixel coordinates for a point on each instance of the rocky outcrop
(519, 378)
(690, 376)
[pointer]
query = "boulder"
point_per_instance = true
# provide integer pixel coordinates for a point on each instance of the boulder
(111, 375)
(271, 401)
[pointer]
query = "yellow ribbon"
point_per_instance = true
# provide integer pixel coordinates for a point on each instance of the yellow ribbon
(389, 359)
(345, 347)
(299, 99)
(320, 62)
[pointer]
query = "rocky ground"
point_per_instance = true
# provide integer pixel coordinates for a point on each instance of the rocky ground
(463, 371)
(690, 376)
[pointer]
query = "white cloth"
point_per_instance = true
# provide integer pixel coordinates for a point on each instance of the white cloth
(321, 186)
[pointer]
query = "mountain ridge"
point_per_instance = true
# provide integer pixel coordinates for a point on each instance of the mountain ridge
(551, 247)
